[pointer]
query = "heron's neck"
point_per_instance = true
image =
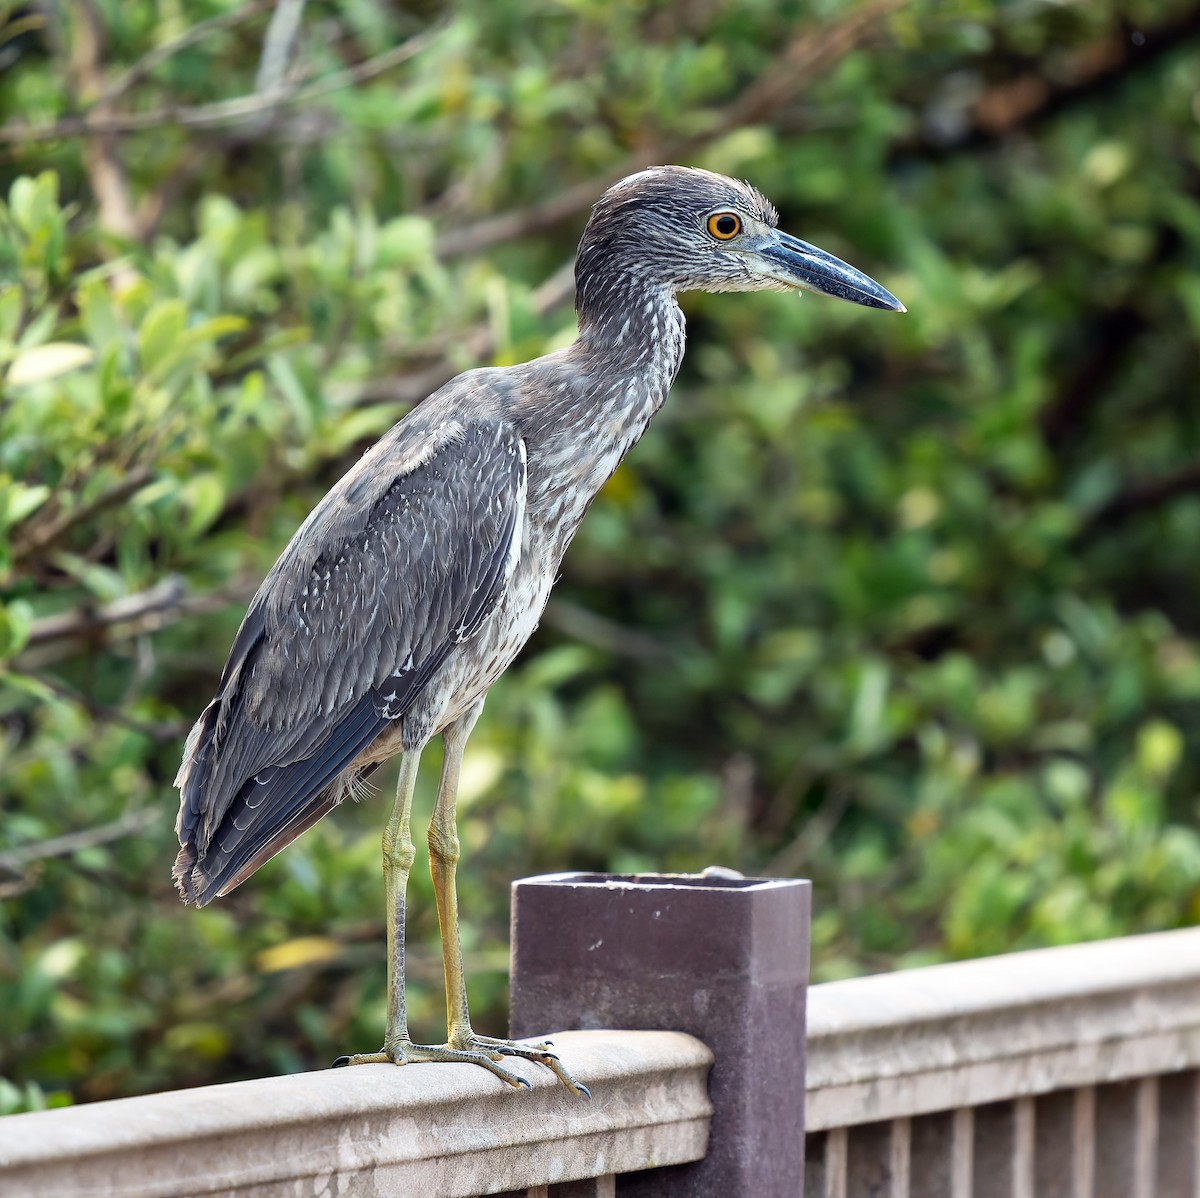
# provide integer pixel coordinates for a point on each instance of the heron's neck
(628, 352)
(631, 332)
(609, 385)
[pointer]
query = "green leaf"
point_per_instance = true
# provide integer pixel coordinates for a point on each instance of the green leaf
(102, 323)
(19, 501)
(11, 308)
(39, 328)
(1159, 748)
(160, 333)
(213, 329)
(24, 204)
(16, 620)
(283, 374)
(33, 204)
(205, 496)
(405, 241)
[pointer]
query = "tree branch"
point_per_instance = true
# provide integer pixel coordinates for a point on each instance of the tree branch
(189, 37)
(591, 628)
(1141, 497)
(51, 637)
(277, 45)
(39, 534)
(813, 53)
(222, 113)
(462, 243)
(160, 733)
(807, 55)
(810, 54)
(15, 860)
(106, 172)
(1026, 95)
(84, 622)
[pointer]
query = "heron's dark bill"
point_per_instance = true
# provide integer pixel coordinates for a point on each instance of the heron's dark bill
(802, 265)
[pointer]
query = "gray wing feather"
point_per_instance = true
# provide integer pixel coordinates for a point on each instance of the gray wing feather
(396, 566)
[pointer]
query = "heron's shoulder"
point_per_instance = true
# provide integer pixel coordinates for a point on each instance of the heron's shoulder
(443, 434)
(450, 417)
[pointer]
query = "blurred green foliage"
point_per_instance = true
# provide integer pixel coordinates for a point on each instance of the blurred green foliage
(904, 604)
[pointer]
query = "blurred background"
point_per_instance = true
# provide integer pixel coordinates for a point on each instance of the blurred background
(906, 605)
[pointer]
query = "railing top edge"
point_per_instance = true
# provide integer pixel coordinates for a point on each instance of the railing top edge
(716, 880)
(640, 1077)
(1038, 977)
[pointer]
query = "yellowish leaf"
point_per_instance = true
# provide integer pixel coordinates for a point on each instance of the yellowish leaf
(47, 361)
(295, 954)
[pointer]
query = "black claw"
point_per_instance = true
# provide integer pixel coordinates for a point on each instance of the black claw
(340, 1062)
(528, 1085)
(584, 1092)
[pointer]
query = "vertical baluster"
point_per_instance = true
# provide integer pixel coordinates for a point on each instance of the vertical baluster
(962, 1153)
(835, 1163)
(901, 1157)
(1145, 1142)
(1178, 1135)
(1024, 1132)
(1083, 1137)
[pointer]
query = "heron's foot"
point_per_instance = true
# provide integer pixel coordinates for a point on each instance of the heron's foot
(540, 1053)
(408, 1053)
(475, 1050)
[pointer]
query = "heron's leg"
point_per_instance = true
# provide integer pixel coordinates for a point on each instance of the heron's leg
(462, 1045)
(443, 864)
(461, 1042)
(398, 855)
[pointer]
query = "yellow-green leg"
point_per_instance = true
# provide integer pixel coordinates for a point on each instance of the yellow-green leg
(462, 1044)
(398, 855)
(399, 852)
(443, 864)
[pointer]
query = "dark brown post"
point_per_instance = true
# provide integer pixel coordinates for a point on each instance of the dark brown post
(722, 957)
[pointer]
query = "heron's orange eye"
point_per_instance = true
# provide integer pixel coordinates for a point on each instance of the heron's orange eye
(724, 225)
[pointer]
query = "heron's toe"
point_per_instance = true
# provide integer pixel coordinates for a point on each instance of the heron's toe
(538, 1053)
(367, 1058)
(474, 1050)
(470, 1053)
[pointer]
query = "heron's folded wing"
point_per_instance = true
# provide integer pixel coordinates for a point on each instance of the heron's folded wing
(403, 560)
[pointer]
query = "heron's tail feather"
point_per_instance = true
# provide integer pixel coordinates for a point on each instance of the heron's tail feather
(268, 812)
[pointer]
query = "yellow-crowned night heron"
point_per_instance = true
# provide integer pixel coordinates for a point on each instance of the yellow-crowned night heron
(415, 582)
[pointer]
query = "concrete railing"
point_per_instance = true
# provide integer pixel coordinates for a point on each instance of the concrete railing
(1061, 1073)
(433, 1130)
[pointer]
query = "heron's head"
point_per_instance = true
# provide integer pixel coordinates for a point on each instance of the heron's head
(693, 230)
